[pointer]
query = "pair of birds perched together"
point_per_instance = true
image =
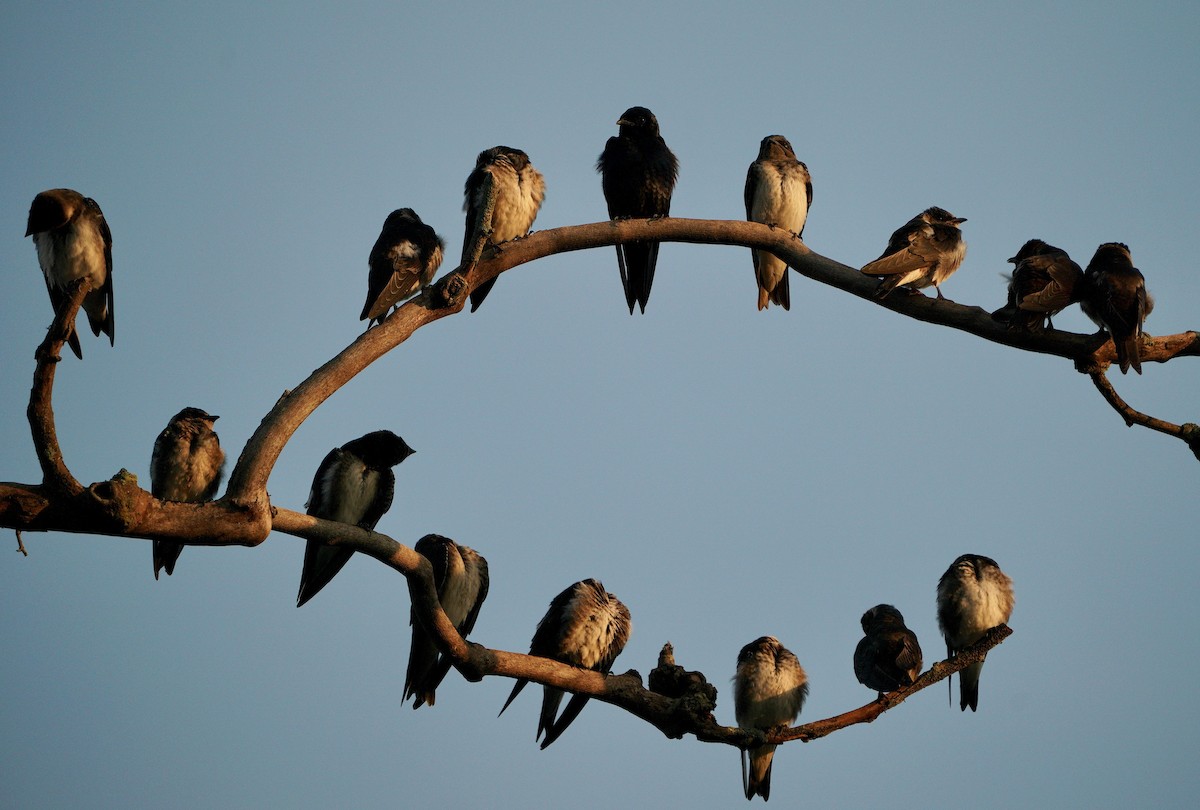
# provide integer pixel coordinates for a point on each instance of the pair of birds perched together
(770, 686)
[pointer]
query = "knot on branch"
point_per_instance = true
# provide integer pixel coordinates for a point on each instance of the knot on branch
(694, 697)
(450, 291)
(119, 499)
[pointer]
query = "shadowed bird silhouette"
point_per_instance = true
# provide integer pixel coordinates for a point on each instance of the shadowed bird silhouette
(888, 657)
(405, 256)
(1115, 297)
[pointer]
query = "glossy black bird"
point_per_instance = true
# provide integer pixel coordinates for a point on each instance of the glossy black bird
(586, 627)
(1115, 298)
(637, 173)
(769, 690)
(973, 596)
(926, 250)
(405, 256)
(186, 465)
(73, 241)
(1043, 283)
(778, 193)
(888, 657)
(502, 197)
(461, 576)
(354, 485)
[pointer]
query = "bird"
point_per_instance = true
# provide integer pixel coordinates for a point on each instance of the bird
(637, 174)
(1115, 297)
(461, 577)
(73, 241)
(1044, 282)
(586, 627)
(926, 250)
(769, 690)
(354, 485)
(889, 656)
(405, 256)
(779, 193)
(502, 197)
(973, 596)
(186, 465)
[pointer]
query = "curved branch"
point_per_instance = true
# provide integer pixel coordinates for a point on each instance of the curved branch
(55, 475)
(1189, 432)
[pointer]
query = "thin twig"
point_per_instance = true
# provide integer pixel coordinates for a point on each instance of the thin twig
(21, 545)
(1188, 432)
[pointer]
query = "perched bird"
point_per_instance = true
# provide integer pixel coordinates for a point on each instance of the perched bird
(354, 485)
(73, 242)
(973, 596)
(461, 576)
(768, 691)
(888, 656)
(501, 197)
(637, 173)
(406, 255)
(186, 465)
(926, 250)
(585, 627)
(778, 193)
(1043, 283)
(1115, 297)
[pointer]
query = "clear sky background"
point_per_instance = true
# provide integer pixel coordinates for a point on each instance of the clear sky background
(727, 473)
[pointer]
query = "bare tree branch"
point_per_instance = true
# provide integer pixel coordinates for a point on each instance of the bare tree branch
(55, 475)
(1187, 432)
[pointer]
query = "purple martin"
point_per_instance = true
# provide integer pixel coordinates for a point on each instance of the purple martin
(461, 576)
(502, 197)
(73, 241)
(354, 485)
(637, 173)
(1114, 296)
(768, 691)
(586, 627)
(888, 657)
(186, 465)
(1043, 283)
(973, 596)
(405, 256)
(926, 250)
(778, 193)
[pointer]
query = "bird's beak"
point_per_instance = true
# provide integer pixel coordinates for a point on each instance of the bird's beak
(212, 418)
(1013, 260)
(959, 220)
(621, 122)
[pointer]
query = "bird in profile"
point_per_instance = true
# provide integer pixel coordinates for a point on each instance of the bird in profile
(73, 242)
(586, 627)
(973, 596)
(405, 256)
(1115, 297)
(637, 174)
(354, 485)
(186, 465)
(502, 197)
(926, 250)
(769, 690)
(778, 193)
(888, 657)
(461, 577)
(1043, 283)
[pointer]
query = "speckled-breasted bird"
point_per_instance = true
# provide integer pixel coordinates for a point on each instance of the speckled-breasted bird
(1115, 297)
(405, 256)
(769, 690)
(973, 596)
(925, 250)
(888, 657)
(779, 193)
(186, 465)
(1043, 283)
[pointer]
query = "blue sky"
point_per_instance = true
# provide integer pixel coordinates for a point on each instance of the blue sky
(727, 473)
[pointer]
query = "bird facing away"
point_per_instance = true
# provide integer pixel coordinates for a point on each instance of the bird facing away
(888, 657)
(1115, 297)
(637, 174)
(73, 242)
(768, 691)
(1044, 282)
(405, 256)
(586, 627)
(925, 250)
(186, 465)
(354, 485)
(973, 596)
(461, 576)
(778, 193)
(502, 197)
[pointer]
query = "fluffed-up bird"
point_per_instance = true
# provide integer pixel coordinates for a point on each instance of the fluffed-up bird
(779, 193)
(1044, 282)
(586, 627)
(1115, 297)
(461, 576)
(973, 596)
(405, 256)
(502, 197)
(186, 465)
(354, 485)
(73, 242)
(925, 250)
(888, 657)
(769, 690)
(637, 174)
